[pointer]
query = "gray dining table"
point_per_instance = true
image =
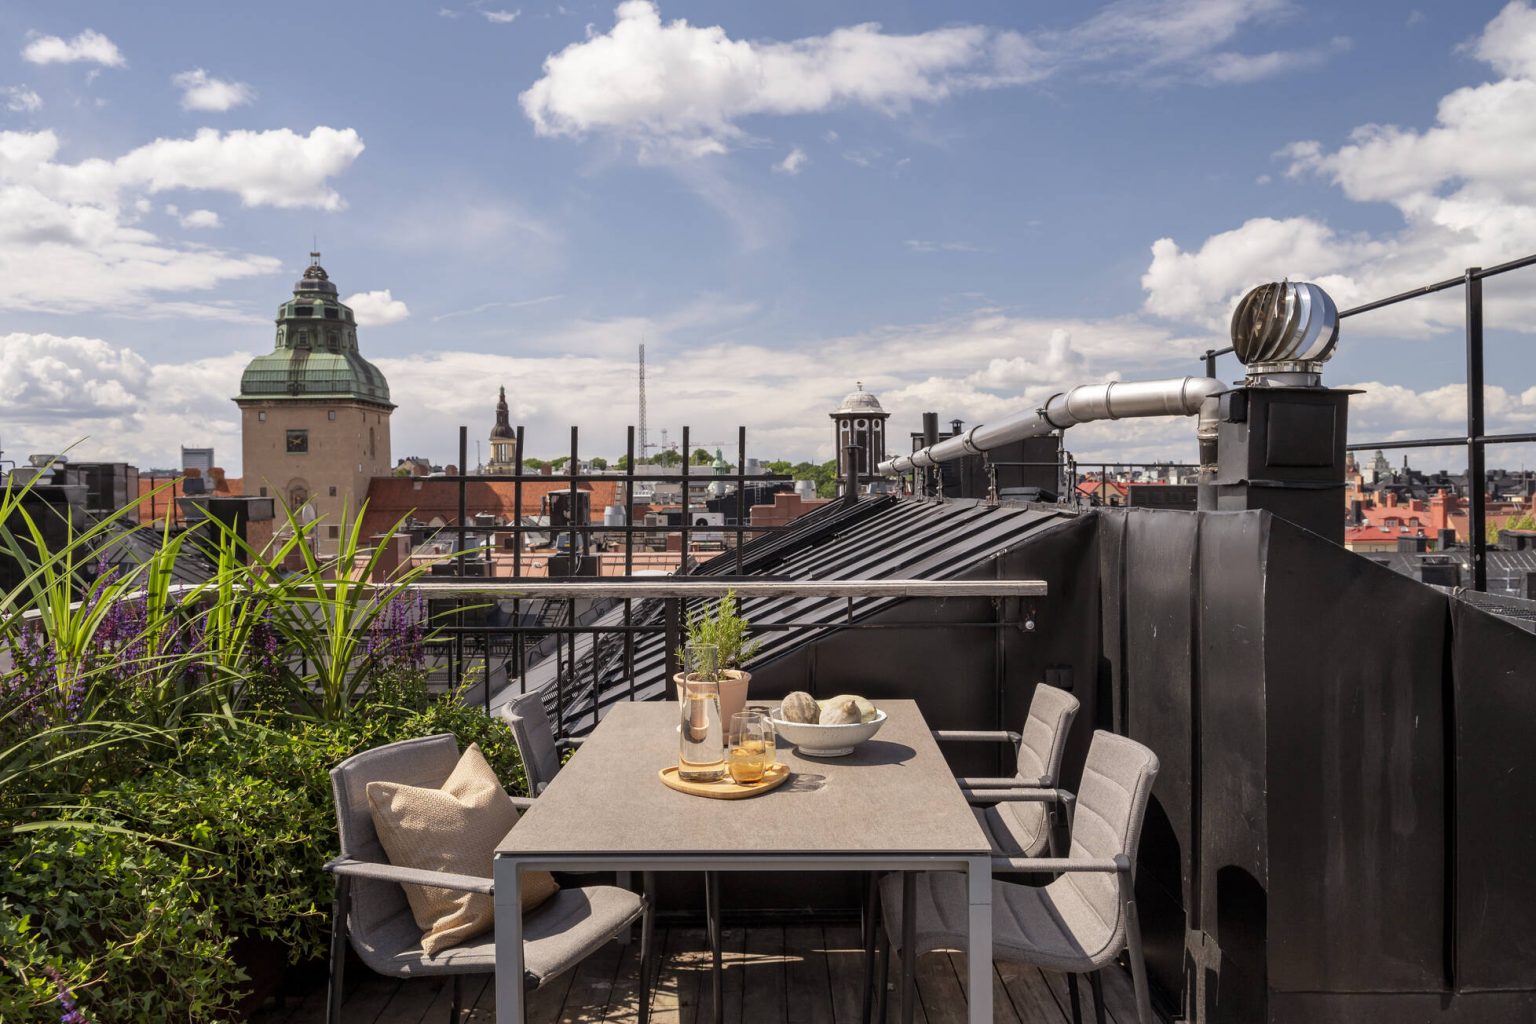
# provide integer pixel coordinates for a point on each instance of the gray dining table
(891, 805)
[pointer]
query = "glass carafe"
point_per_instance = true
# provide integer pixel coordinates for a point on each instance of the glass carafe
(701, 734)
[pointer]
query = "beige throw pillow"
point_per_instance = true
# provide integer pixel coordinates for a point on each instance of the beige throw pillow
(454, 829)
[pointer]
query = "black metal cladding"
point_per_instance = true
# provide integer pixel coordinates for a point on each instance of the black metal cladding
(1343, 827)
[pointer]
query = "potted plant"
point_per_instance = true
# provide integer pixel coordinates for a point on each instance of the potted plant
(726, 631)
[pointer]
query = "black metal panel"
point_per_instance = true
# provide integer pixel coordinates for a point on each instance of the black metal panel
(1111, 671)
(1064, 643)
(1495, 780)
(1355, 659)
(1159, 565)
(1229, 917)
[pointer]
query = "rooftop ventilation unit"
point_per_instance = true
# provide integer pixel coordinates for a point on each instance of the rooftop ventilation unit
(1275, 442)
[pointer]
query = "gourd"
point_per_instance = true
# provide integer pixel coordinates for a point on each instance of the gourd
(800, 707)
(840, 712)
(867, 710)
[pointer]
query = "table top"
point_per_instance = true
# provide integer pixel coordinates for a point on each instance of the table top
(894, 794)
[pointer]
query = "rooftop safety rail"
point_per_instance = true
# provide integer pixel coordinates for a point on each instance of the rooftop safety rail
(1476, 438)
(566, 637)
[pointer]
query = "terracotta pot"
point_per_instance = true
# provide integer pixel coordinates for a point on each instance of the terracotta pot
(732, 690)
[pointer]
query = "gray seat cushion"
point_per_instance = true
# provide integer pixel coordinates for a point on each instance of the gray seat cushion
(1052, 926)
(557, 936)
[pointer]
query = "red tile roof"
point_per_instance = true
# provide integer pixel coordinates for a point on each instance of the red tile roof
(391, 498)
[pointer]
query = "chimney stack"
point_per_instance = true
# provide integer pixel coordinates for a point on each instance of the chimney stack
(1280, 438)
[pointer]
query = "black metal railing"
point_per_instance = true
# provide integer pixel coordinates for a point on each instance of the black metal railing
(1476, 438)
(623, 645)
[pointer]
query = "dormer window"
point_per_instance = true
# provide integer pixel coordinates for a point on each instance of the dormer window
(330, 312)
(303, 310)
(333, 341)
(303, 341)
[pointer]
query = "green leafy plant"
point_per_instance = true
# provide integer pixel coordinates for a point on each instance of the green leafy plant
(725, 630)
(328, 610)
(102, 923)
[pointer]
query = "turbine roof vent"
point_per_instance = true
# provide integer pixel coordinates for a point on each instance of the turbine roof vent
(1284, 332)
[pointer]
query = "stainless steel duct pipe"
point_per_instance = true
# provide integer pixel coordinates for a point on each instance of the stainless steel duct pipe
(1180, 396)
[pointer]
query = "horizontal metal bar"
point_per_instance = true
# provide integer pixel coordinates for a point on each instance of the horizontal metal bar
(1443, 442)
(564, 479)
(718, 586)
(764, 628)
(661, 860)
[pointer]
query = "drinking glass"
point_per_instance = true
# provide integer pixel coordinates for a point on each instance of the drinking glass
(751, 751)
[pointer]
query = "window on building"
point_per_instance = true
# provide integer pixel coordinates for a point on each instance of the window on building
(261, 417)
(333, 341)
(330, 312)
(331, 415)
(333, 490)
(303, 310)
(333, 532)
(263, 492)
(298, 442)
(303, 340)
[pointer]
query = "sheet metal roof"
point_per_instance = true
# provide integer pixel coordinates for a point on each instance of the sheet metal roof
(875, 538)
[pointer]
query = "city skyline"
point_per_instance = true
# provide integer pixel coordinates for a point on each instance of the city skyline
(967, 209)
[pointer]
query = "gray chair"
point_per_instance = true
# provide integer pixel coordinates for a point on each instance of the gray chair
(1079, 923)
(372, 914)
(535, 737)
(1025, 828)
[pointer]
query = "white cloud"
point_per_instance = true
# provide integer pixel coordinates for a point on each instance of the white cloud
(793, 161)
(681, 89)
(200, 91)
(377, 308)
(64, 390)
(199, 219)
(68, 234)
(89, 46)
(1465, 189)
(1239, 68)
(501, 17)
(21, 100)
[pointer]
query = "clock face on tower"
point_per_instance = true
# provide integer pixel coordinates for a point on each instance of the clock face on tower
(298, 442)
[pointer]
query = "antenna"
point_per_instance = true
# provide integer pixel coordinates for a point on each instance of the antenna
(644, 441)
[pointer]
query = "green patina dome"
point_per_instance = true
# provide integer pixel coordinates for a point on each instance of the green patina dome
(316, 351)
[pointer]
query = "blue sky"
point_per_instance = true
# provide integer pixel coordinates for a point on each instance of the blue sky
(967, 206)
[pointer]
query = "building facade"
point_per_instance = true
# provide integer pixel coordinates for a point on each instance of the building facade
(503, 441)
(859, 421)
(314, 413)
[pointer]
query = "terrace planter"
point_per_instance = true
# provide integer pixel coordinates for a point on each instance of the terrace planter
(732, 690)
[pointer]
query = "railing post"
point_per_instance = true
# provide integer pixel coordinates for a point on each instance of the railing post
(458, 617)
(682, 565)
(1477, 511)
(673, 629)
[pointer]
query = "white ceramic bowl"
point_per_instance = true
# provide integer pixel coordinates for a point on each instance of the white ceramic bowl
(826, 740)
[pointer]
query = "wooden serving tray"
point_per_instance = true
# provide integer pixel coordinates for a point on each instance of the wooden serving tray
(726, 788)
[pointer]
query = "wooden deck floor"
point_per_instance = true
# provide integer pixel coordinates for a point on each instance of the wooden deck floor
(773, 975)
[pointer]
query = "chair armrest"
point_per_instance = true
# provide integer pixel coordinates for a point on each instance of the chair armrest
(1116, 865)
(976, 736)
(1020, 796)
(980, 782)
(522, 803)
(409, 876)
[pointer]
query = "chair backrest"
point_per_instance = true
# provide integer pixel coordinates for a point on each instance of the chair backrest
(535, 739)
(1051, 712)
(427, 761)
(1111, 803)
